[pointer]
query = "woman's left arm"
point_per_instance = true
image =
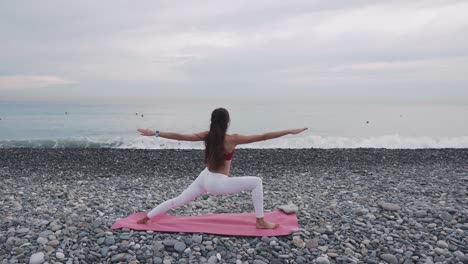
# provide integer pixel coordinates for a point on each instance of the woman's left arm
(176, 136)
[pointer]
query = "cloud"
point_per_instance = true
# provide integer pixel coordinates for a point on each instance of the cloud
(32, 81)
(251, 47)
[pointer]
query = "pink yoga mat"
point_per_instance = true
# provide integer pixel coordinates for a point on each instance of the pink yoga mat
(242, 224)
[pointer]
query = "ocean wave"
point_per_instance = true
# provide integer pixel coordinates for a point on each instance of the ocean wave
(388, 142)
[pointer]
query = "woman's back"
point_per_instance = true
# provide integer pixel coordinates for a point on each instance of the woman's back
(228, 153)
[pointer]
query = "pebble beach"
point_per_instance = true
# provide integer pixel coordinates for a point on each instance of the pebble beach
(353, 206)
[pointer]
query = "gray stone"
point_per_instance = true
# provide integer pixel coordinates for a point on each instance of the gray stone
(100, 240)
(56, 227)
(349, 252)
(370, 216)
(323, 248)
(22, 230)
(439, 259)
(59, 255)
(439, 251)
(446, 217)
(322, 260)
(179, 246)
(288, 208)
(42, 240)
(463, 259)
(257, 261)
(298, 242)
(300, 259)
(37, 258)
(125, 236)
(389, 206)
(158, 246)
(212, 260)
(45, 233)
(110, 241)
(313, 243)
(442, 244)
(54, 243)
(420, 213)
(121, 257)
(169, 242)
(389, 258)
(104, 251)
(361, 211)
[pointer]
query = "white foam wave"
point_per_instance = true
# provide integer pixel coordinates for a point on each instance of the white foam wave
(388, 142)
(138, 142)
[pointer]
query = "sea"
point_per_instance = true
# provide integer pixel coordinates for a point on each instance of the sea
(330, 125)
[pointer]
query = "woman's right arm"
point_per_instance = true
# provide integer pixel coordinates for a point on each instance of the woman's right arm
(246, 139)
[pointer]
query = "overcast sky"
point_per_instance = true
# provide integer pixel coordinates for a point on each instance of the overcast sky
(369, 51)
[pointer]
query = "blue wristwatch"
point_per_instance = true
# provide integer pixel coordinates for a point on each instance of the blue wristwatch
(156, 134)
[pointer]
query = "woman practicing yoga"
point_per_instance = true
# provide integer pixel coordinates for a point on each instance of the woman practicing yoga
(215, 177)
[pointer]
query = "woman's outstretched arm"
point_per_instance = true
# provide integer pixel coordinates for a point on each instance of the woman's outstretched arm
(245, 139)
(176, 136)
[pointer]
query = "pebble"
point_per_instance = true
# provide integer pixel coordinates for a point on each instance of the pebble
(197, 239)
(349, 252)
(389, 258)
(124, 236)
(110, 241)
(212, 260)
(54, 243)
(59, 255)
(442, 244)
(447, 217)
(389, 206)
(323, 248)
(42, 240)
(170, 242)
(37, 258)
(322, 260)
(288, 208)
(100, 240)
(420, 213)
(311, 244)
(179, 246)
(56, 227)
(298, 242)
(340, 223)
(22, 230)
(121, 257)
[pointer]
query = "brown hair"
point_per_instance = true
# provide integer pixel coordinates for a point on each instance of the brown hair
(214, 141)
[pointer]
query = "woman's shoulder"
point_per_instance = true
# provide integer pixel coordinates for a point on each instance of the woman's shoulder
(230, 139)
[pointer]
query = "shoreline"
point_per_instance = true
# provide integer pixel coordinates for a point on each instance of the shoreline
(58, 200)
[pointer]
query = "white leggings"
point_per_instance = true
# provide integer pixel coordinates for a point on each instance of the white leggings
(216, 184)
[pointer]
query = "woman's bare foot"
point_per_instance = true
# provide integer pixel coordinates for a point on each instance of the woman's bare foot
(262, 224)
(144, 220)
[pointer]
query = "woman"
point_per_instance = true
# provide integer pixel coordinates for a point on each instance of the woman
(215, 177)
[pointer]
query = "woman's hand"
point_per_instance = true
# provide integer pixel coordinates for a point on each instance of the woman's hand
(297, 131)
(146, 132)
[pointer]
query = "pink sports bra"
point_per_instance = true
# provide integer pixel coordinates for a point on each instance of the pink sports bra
(229, 155)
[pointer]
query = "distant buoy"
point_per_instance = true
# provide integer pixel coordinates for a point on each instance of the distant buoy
(136, 113)
(141, 115)
(66, 113)
(367, 122)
